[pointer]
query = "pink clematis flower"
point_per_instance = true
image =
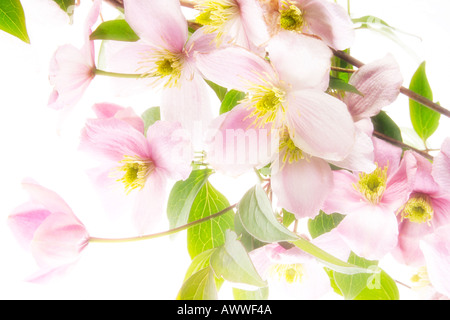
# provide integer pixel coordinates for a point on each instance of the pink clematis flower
(293, 274)
(47, 227)
(436, 251)
(72, 69)
(426, 209)
(370, 201)
(165, 58)
(325, 19)
(379, 82)
(240, 21)
(295, 124)
(139, 163)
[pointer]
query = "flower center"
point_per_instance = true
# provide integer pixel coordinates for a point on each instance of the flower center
(265, 102)
(288, 149)
(418, 209)
(291, 17)
(372, 185)
(163, 65)
(291, 273)
(215, 13)
(135, 172)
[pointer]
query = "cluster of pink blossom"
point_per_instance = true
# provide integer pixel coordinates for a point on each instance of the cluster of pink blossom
(317, 143)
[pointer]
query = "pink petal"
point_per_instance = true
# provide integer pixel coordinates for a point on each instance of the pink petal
(188, 104)
(379, 82)
(235, 146)
(419, 174)
(343, 198)
(436, 249)
(301, 187)
(329, 21)
(320, 124)
(47, 198)
(235, 68)
(408, 251)
(149, 204)
(371, 233)
(25, 220)
(386, 154)
(441, 166)
(113, 139)
(58, 241)
(110, 110)
(361, 158)
(170, 148)
(302, 62)
(252, 19)
(160, 23)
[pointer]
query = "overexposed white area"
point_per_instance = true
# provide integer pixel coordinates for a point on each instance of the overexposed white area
(34, 145)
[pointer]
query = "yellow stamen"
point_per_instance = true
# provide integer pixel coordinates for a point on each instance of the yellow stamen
(162, 64)
(372, 185)
(291, 17)
(214, 14)
(291, 273)
(418, 209)
(136, 172)
(288, 149)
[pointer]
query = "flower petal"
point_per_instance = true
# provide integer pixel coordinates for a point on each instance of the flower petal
(371, 233)
(301, 187)
(379, 82)
(441, 166)
(302, 62)
(320, 124)
(160, 23)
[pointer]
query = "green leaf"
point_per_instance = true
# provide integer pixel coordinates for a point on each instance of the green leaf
(67, 6)
(117, 30)
(287, 217)
(323, 223)
(330, 261)
(199, 286)
(258, 294)
(209, 234)
(424, 120)
(231, 261)
(338, 62)
(150, 116)
(365, 286)
(230, 100)
(220, 91)
(200, 262)
(257, 217)
(12, 19)
(248, 241)
(183, 195)
(341, 85)
(385, 125)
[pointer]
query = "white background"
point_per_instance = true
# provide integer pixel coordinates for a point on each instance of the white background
(33, 146)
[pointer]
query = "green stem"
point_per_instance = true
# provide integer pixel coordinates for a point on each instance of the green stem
(164, 233)
(99, 72)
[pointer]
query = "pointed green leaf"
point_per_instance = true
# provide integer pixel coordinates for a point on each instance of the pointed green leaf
(183, 195)
(199, 286)
(220, 91)
(150, 116)
(341, 85)
(365, 286)
(200, 262)
(117, 30)
(67, 6)
(424, 120)
(231, 261)
(323, 223)
(257, 217)
(209, 234)
(230, 100)
(385, 125)
(12, 19)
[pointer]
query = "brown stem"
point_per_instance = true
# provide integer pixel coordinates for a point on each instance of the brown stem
(401, 144)
(410, 94)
